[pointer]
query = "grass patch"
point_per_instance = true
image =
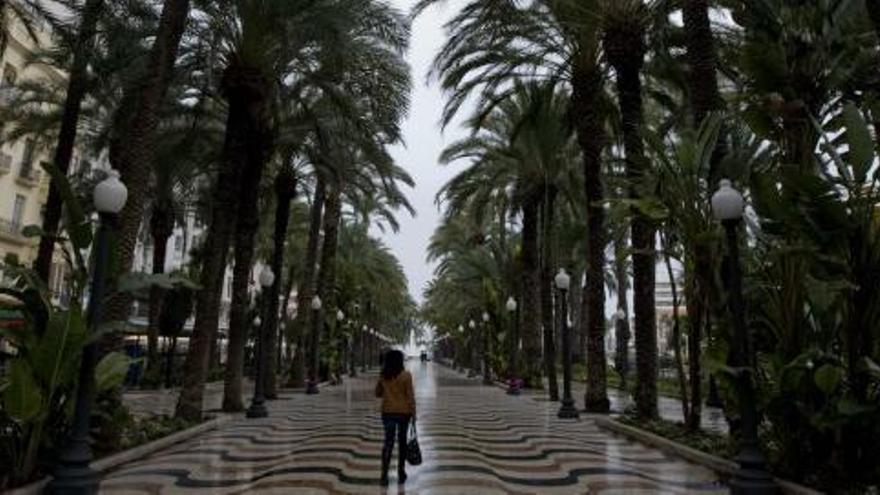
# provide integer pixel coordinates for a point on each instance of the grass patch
(666, 387)
(711, 443)
(144, 430)
(723, 446)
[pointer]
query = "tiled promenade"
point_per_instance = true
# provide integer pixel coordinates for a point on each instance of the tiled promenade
(475, 439)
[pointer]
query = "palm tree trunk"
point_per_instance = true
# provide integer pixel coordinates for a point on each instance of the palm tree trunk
(625, 48)
(247, 225)
(161, 229)
(676, 330)
(131, 146)
(169, 362)
(696, 290)
(705, 98)
(76, 92)
(307, 284)
(575, 301)
(285, 191)
(531, 279)
(326, 276)
(242, 141)
(289, 337)
(873, 7)
(621, 325)
(547, 313)
(586, 90)
(700, 43)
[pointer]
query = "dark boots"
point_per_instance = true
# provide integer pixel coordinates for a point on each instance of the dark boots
(386, 464)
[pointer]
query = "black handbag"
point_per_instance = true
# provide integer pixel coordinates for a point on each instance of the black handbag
(413, 451)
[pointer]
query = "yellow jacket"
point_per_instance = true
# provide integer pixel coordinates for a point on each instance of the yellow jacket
(397, 394)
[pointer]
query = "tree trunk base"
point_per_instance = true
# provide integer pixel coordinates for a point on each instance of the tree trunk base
(597, 405)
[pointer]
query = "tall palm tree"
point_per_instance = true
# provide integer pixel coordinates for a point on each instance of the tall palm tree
(285, 192)
(133, 140)
(492, 42)
(625, 47)
(524, 145)
(258, 40)
(76, 92)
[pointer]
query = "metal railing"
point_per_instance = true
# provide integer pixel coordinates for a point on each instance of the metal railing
(10, 227)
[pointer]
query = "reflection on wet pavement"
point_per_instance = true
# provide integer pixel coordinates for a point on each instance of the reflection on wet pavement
(474, 438)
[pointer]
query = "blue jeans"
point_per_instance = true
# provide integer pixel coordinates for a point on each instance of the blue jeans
(399, 424)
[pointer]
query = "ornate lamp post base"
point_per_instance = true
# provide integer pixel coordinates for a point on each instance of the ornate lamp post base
(568, 410)
(752, 482)
(74, 476)
(257, 410)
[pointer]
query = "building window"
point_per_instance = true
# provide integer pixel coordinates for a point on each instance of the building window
(178, 243)
(18, 211)
(27, 159)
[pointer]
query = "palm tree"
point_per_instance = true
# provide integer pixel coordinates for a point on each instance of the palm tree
(625, 48)
(493, 42)
(285, 192)
(524, 146)
(134, 132)
(76, 93)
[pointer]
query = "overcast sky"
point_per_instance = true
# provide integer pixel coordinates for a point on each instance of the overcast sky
(424, 142)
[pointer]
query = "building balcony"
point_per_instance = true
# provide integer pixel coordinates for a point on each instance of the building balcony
(29, 176)
(10, 231)
(5, 163)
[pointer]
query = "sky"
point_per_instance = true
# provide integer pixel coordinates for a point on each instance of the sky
(424, 141)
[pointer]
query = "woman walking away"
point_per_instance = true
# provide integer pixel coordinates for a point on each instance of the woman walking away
(395, 387)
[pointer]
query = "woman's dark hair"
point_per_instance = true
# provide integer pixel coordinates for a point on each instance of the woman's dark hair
(392, 364)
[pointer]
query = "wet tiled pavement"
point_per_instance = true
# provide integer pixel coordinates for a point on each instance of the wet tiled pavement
(475, 439)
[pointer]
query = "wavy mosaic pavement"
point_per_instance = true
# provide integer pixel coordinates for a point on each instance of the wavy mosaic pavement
(475, 439)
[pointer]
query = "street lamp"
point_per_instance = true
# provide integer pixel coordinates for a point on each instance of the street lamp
(312, 385)
(752, 477)
(487, 372)
(342, 344)
(472, 372)
(512, 386)
(567, 410)
(257, 408)
(364, 349)
(460, 355)
(373, 344)
(73, 474)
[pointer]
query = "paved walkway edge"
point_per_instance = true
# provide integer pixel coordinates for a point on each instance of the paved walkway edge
(112, 461)
(715, 463)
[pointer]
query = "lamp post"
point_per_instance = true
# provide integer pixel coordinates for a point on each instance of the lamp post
(487, 370)
(512, 387)
(567, 410)
(472, 371)
(257, 408)
(459, 356)
(752, 477)
(312, 384)
(342, 346)
(372, 336)
(73, 474)
(364, 349)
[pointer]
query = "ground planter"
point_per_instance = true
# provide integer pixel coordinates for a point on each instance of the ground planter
(113, 461)
(718, 464)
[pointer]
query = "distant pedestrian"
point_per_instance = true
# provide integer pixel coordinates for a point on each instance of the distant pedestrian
(395, 387)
